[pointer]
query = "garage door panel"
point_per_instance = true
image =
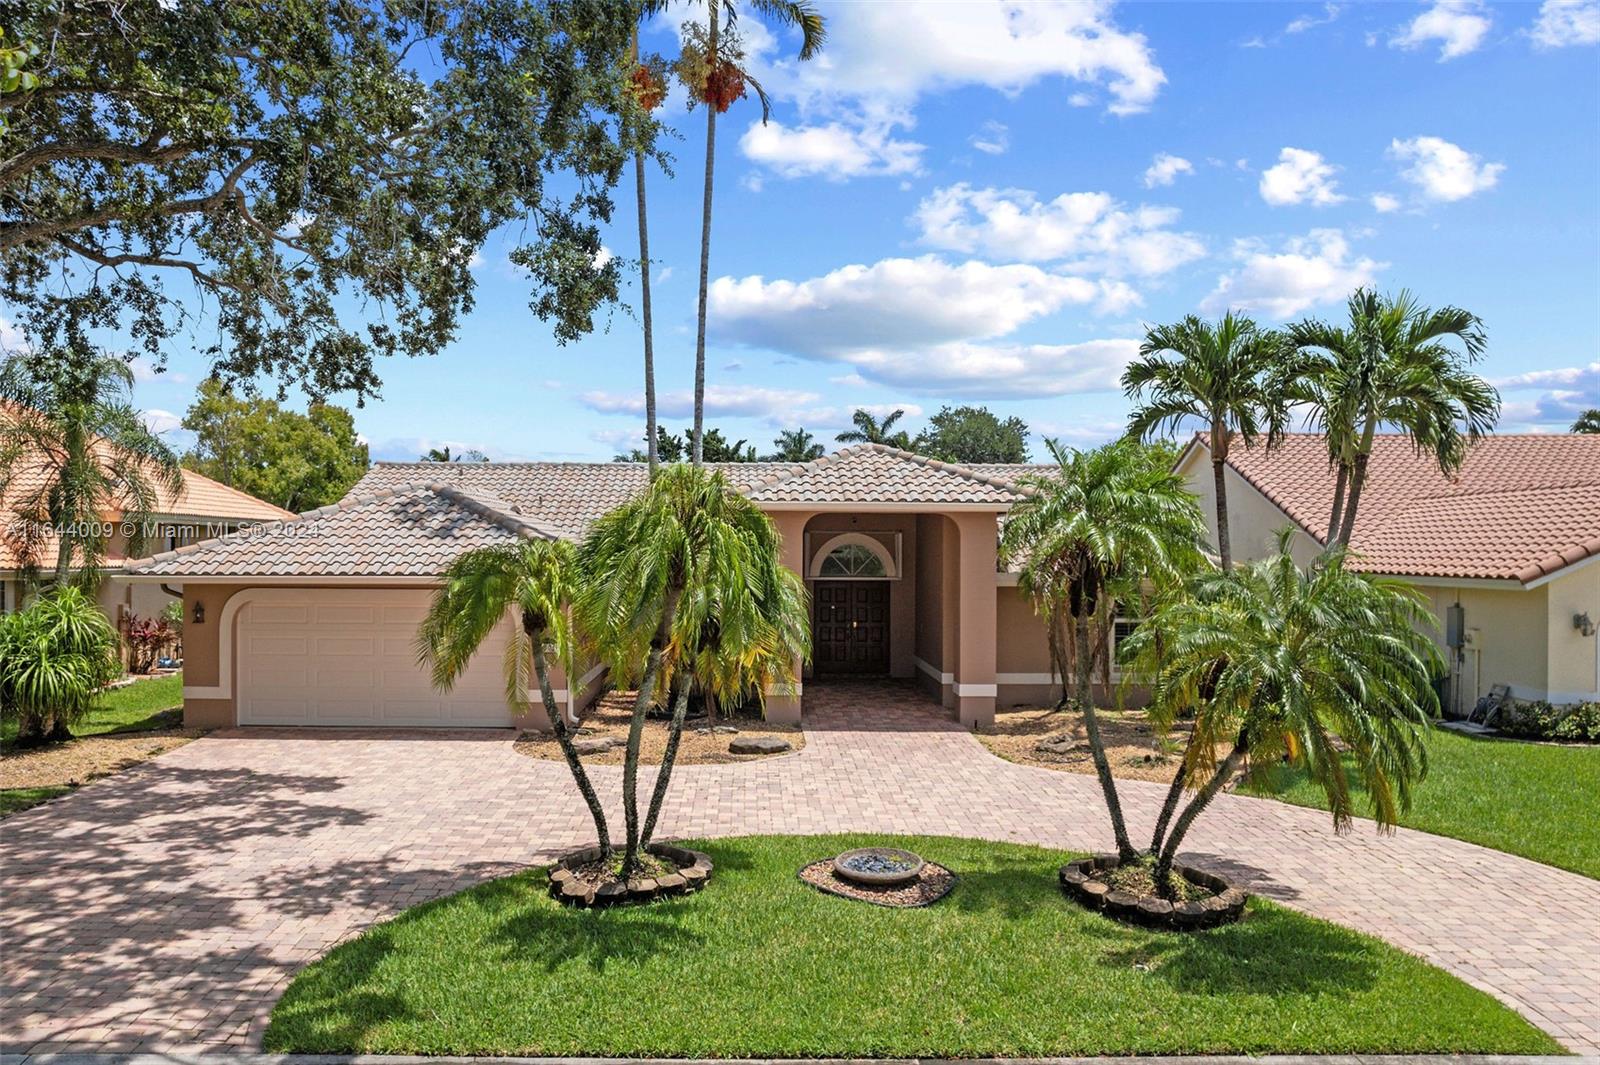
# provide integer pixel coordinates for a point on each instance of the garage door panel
(345, 657)
(280, 613)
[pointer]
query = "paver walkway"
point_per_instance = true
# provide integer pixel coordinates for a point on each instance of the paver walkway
(168, 906)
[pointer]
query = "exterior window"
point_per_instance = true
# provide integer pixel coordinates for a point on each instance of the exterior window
(852, 560)
(1121, 629)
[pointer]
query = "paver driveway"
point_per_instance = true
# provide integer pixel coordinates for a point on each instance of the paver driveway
(169, 905)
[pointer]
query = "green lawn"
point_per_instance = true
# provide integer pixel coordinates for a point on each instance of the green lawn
(144, 704)
(14, 799)
(759, 964)
(1536, 800)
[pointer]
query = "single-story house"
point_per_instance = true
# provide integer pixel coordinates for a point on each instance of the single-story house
(313, 621)
(1507, 550)
(200, 509)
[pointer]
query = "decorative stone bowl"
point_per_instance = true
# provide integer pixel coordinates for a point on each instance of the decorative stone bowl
(694, 872)
(1223, 907)
(878, 866)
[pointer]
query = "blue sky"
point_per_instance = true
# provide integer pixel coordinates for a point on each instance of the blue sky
(986, 202)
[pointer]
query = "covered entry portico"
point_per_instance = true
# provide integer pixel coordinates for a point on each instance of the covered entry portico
(901, 591)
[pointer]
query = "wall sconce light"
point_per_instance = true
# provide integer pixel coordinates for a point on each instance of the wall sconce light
(1583, 624)
(199, 612)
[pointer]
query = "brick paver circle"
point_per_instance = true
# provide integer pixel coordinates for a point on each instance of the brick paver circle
(168, 906)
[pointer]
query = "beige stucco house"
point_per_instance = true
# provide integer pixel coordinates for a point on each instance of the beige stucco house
(313, 621)
(1513, 539)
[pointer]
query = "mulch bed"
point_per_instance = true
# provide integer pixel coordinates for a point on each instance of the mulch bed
(933, 884)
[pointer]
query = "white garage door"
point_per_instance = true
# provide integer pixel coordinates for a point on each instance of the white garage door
(333, 656)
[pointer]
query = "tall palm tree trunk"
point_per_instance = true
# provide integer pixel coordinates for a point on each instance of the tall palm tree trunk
(558, 726)
(1230, 765)
(1358, 481)
(669, 757)
(630, 764)
(1091, 725)
(1219, 478)
(644, 310)
(705, 255)
(1340, 483)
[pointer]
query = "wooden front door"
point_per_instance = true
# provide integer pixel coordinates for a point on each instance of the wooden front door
(852, 627)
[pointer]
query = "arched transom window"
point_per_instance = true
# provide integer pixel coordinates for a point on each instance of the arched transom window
(853, 556)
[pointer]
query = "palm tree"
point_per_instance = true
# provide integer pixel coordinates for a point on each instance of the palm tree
(76, 448)
(795, 445)
(1220, 374)
(1588, 421)
(1391, 366)
(718, 81)
(1091, 530)
(869, 430)
(681, 577)
(535, 580)
(649, 90)
(1282, 663)
(443, 454)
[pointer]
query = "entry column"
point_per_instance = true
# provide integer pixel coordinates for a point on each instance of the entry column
(783, 702)
(975, 665)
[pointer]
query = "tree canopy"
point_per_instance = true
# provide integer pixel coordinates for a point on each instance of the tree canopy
(972, 435)
(280, 167)
(292, 460)
(675, 448)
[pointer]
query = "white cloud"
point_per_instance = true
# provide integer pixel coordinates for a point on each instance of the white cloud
(1081, 99)
(1443, 171)
(896, 303)
(722, 401)
(878, 60)
(1165, 170)
(160, 421)
(1384, 203)
(993, 138)
(1566, 22)
(1459, 25)
(11, 338)
(1306, 22)
(1576, 378)
(663, 275)
(1300, 176)
(1310, 270)
(1562, 395)
(1089, 230)
(834, 151)
(985, 371)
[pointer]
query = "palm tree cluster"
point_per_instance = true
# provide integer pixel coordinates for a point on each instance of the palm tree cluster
(1391, 365)
(679, 590)
(1318, 665)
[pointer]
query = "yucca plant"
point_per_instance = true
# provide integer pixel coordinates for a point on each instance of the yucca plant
(532, 582)
(1099, 526)
(1311, 665)
(54, 657)
(684, 587)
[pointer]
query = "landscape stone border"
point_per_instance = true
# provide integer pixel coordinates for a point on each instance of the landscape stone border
(908, 896)
(1224, 907)
(694, 872)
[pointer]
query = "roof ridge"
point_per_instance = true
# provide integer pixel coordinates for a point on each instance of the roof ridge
(513, 522)
(953, 467)
(511, 519)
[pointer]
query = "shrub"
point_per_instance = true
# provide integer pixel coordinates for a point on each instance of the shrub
(54, 657)
(146, 638)
(1538, 720)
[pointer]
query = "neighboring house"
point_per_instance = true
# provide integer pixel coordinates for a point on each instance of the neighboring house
(202, 509)
(1513, 538)
(313, 621)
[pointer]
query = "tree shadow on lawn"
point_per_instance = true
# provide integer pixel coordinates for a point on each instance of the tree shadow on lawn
(1272, 951)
